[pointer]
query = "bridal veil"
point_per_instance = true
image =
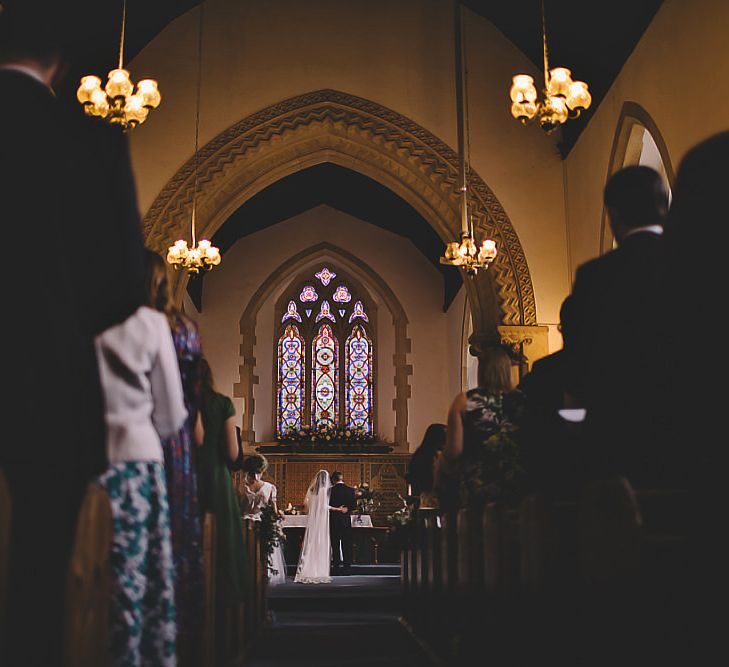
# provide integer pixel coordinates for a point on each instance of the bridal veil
(315, 551)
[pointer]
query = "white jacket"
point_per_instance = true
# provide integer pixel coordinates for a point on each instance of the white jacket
(142, 386)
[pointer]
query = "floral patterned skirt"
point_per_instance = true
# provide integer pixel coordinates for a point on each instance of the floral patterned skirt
(143, 597)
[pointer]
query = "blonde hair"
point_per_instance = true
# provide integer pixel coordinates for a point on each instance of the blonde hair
(494, 370)
(159, 294)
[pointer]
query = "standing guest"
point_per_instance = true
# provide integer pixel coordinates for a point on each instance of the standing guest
(258, 494)
(60, 173)
(552, 443)
(420, 470)
(342, 503)
(217, 496)
(144, 404)
(616, 300)
(180, 465)
(481, 460)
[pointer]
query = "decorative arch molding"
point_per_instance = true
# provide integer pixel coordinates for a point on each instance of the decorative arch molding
(378, 289)
(330, 126)
(626, 150)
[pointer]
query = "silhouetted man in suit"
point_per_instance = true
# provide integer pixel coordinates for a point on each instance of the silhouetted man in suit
(67, 198)
(341, 505)
(616, 302)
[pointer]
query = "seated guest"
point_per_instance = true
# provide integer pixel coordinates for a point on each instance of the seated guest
(420, 470)
(144, 403)
(258, 494)
(481, 460)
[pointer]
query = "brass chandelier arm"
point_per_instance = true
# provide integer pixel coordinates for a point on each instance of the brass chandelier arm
(544, 47)
(121, 40)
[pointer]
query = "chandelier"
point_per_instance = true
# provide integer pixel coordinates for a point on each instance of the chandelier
(563, 97)
(201, 256)
(118, 102)
(466, 253)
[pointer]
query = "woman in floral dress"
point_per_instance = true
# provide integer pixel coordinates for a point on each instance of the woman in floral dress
(481, 460)
(180, 466)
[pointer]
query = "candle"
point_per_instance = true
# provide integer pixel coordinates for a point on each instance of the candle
(410, 490)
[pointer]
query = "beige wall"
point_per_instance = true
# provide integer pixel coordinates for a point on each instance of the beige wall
(399, 54)
(680, 63)
(415, 282)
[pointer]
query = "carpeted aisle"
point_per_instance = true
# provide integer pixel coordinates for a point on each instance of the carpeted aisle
(351, 622)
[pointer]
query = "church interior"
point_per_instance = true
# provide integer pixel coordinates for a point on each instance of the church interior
(312, 173)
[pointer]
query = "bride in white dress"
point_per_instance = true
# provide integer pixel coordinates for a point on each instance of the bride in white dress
(257, 494)
(316, 549)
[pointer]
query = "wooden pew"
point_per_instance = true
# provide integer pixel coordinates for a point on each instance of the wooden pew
(89, 583)
(5, 527)
(209, 556)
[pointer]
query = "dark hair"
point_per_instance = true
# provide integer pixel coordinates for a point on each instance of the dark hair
(38, 30)
(567, 323)
(206, 375)
(336, 476)
(699, 192)
(637, 196)
(434, 438)
(255, 463)
(494, 370)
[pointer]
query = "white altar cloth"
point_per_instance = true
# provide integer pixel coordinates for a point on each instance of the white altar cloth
(299, 521)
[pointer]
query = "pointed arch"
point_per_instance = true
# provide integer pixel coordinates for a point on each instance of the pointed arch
(634, 122)
(331, 126)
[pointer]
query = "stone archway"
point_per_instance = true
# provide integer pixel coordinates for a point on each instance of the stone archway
(330, 126)
(374, 284)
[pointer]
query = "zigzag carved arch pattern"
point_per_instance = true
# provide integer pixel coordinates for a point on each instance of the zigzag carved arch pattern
(394, 140)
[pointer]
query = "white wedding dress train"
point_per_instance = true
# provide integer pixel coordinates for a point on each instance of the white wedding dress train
(315, 557)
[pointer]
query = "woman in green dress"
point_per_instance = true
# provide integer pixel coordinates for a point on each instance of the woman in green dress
(233, 572)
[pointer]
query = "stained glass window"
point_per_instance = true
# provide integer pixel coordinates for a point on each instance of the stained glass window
(291, 379)
(358, 390)
(325, 379)
(325, 374)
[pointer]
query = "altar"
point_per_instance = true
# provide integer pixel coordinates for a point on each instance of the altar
(300, 520)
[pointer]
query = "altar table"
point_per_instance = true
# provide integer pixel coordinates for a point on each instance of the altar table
(299, 521)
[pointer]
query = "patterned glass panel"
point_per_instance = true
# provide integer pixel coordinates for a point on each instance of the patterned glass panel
(358, 312)
(342, 295)
(358, 392)
(308, 294)
(326, 276)
(291, 313)
(291, 381)
(324, 378)
(325, 312)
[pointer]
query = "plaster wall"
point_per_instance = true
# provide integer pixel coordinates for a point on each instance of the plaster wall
(398, 54)
(680, 62)
(415, 282)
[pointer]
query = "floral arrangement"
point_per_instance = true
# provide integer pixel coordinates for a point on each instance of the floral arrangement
(271, 533)
(367, 499)
(400, 523)
(324, 434)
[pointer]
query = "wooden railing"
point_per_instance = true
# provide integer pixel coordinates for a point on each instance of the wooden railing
(494, 582)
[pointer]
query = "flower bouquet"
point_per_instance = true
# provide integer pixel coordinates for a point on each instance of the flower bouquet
(327, 435)
(367, 499)
(271, 533)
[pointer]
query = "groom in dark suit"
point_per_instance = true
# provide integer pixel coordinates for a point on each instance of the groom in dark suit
(341, 505)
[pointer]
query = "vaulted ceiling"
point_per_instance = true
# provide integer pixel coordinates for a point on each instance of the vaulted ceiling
(593, 39)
